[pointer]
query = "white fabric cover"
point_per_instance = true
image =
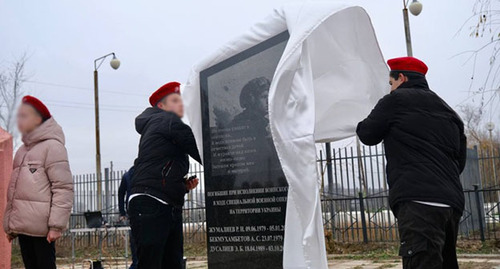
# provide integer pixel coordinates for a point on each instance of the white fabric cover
(330, 76)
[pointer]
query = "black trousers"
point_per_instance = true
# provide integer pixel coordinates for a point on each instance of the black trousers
(37, 253)
(157, 231)
(428, 236)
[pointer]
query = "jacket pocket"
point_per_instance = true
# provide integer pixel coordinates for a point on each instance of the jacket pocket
(409, 250)
(35, 171)
(34, 166)
(165, 172)
(173, 182)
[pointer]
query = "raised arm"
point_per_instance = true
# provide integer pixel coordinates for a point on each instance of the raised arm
(374, 128)
(183, 136)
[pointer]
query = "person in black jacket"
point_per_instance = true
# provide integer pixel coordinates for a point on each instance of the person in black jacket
(159, 182)
(425, 148)
(123, 195)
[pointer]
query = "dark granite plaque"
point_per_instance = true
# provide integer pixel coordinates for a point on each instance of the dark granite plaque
(246, 189)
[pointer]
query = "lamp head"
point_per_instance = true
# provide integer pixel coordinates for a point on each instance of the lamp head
(416, 7)
(115, 63)
(490, 126)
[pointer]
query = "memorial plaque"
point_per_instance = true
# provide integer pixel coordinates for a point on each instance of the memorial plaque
(246, 189)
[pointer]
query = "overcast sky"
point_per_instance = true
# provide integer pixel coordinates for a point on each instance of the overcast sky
(159, 41)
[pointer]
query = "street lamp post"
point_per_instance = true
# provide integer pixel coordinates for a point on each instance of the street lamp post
(490, 126)
(415, 9)
(115, 63)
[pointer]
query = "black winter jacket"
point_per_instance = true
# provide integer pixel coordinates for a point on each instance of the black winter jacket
(163, 160)
(424, 142)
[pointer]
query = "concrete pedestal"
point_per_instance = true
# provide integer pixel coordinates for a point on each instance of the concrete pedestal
(5, 171)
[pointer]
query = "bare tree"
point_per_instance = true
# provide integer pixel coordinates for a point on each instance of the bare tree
(485, 24)
(472, 117)
(488, 147)
(476, 132)
(11, 81)
(484, 88)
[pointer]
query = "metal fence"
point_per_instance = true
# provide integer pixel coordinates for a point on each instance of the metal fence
(354, 198)
(355, 195)
(85, 200)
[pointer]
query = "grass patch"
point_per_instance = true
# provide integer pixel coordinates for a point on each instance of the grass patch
(195, 250)
(384, 266)
(17, 260)
(478, 247)
(386, 251)
(475, 265)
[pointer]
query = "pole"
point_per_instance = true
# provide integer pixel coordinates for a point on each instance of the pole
(107, 195)
(362, 181)
(329, 171)
(479, 212)
(97, 143)
(363, 218)
(493, 166)
(492, 157)
(322, 172)
(409, 50)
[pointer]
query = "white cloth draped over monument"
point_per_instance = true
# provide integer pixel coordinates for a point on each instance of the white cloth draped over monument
(329, 77)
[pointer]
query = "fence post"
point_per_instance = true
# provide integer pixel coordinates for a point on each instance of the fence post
(107, 192)
(479, 212)
(329, 171)
(363, 219)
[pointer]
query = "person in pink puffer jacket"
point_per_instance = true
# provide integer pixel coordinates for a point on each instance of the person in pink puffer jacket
(40, 192)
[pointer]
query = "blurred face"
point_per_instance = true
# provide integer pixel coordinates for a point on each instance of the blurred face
(27, 119)
(172, 103)
(395, 83)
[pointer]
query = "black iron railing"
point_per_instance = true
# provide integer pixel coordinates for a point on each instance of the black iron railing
(354, 197)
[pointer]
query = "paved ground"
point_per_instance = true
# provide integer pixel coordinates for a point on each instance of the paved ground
(486, 262)
(393, 264)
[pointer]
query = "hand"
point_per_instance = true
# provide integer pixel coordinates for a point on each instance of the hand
(191, 184)
(10, 237)
(123, 218)
(52, 236)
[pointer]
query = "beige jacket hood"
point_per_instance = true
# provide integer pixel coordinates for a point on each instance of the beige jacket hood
(40, 194)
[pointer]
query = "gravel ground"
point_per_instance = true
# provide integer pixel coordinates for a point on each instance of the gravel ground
(490, 262)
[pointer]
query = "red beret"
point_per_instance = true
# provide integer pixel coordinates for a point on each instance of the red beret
(171, 87)
(408, 64)
(37, 105)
